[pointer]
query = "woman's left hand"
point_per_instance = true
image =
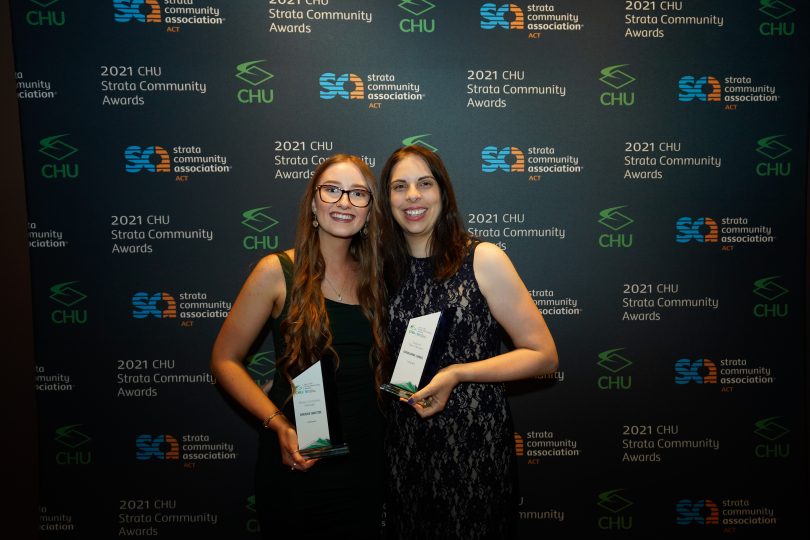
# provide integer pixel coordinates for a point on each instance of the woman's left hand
(433, 397)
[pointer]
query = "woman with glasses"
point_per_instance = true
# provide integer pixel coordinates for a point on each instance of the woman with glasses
(322, 300)
(450, 446)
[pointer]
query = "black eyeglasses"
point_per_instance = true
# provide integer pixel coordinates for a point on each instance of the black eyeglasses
(359, 197)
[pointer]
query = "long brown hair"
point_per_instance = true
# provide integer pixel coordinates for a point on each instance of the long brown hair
(306, 329)
(449, 240)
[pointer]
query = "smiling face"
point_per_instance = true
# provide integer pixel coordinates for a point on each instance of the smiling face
(415, 202)
(341, 218)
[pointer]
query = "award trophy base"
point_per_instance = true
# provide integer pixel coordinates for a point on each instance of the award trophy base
(315, 452)
(397, 390)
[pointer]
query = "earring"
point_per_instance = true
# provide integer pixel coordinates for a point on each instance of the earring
(315, 222)
(364, 230)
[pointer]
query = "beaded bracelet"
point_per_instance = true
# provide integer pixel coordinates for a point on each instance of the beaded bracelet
(267, 420)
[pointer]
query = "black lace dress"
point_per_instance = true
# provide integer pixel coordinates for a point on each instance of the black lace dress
(451, 475)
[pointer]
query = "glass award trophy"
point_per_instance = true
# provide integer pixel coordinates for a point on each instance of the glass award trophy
(415, 364)
(316, 414)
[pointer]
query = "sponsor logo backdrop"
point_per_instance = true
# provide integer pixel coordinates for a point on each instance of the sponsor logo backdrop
(643, 163)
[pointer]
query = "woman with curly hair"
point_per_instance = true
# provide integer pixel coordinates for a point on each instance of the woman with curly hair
(323, 299)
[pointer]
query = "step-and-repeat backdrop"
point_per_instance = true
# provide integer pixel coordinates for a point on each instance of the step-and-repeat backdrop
(642, 162)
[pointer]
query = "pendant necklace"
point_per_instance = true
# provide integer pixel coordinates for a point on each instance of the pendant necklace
(339, 295)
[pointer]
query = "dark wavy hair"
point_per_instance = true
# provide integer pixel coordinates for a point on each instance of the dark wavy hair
(306, 329)
(449, 240)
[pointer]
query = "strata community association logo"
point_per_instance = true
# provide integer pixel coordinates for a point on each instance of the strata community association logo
(148, 158)
(161, 305)
(700, 512)
(535, 160)
(142, 11)
(536, 19)
(182, 160)
(374, 87)
(192, 305)
(345, 86)
(728, 230)
(702, 229)
(159, 447)
(728, 89)
(150, 11)
(727, 372)
(506, 16)
(734, 515)
(506, 159)
(189, 447)
(700, 371)
(703, 88)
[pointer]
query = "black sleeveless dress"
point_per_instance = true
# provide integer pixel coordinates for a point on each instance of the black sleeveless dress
(341, 496)
(451, 475)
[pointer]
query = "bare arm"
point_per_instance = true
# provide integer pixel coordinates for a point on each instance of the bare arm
(512, 306)
(261, 297)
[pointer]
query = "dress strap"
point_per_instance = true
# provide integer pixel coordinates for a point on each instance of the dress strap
(287, 268)
(286, 263)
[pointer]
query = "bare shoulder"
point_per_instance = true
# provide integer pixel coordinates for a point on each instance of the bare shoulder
(272, 262)
(490, 258)
(493, 270)
(268, 272)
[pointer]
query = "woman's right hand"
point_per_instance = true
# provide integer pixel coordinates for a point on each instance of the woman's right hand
(434, 396)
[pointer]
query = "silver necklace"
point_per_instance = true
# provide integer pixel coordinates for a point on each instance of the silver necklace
(339, 294)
